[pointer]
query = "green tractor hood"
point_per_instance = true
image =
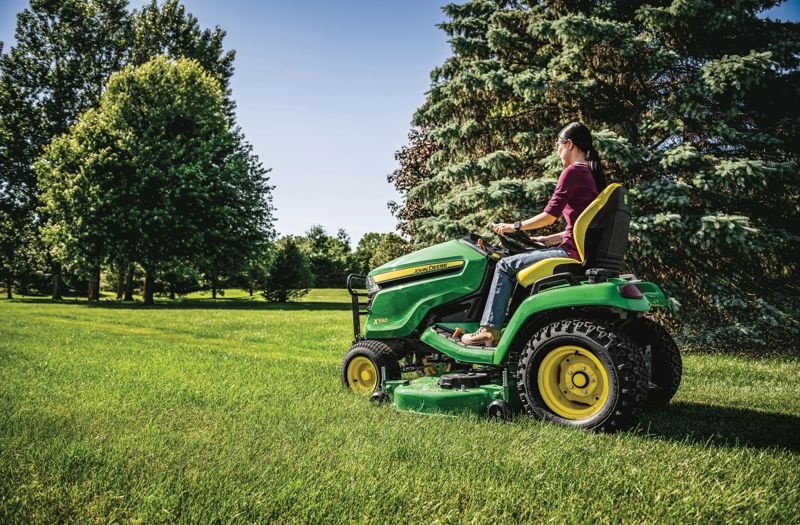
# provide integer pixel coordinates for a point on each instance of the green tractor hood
(413, 284)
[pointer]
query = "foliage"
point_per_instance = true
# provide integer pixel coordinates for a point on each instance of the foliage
(412, 171)
(390, 247)
(290, 275)
(168, 29)
(152, 175)
(177, 277)
(365, 250)
(64, 53)
(329, 256)
(693, 107)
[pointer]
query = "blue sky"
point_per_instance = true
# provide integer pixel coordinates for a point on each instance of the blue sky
(325, 92)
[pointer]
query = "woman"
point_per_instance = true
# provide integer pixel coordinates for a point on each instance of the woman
(579, 184)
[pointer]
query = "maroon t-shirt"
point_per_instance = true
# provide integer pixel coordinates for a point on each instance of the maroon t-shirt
(575, 190)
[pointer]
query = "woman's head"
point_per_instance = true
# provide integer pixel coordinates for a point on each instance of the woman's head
(575, 144)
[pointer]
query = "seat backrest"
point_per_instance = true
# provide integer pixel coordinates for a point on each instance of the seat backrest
(601, 231)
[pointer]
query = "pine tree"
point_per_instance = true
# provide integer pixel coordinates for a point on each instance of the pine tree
(693, 107)
(290, 274)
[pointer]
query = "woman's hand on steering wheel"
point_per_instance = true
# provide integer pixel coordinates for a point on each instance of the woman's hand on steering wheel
(502, 228)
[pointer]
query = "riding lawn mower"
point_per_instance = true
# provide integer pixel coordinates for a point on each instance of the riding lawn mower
(578, 349)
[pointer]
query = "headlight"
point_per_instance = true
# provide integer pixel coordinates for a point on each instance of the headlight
(372, 288)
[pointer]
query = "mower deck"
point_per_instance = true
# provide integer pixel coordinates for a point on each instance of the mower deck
(449, 393)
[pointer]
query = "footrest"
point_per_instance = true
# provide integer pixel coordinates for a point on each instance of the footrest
(440, 338)
(447, 333)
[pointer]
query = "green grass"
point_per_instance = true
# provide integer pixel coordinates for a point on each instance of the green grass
(231, 411)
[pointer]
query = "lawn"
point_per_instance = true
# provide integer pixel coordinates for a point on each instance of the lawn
(231, 411)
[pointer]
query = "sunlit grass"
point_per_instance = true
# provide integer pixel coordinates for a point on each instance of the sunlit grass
(231, 410)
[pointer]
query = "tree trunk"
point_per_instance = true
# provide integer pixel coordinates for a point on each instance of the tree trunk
(213, 287)
(9, 283)
(149, 278)
(94, 285)
(129, 284)
(120, 281)
(251, 291)
(56, 281)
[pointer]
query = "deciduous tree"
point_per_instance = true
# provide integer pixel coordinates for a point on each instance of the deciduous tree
(153, 175)
(64, 53)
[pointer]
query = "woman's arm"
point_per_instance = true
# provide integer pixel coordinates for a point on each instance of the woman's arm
(539, 221)
(550, 240)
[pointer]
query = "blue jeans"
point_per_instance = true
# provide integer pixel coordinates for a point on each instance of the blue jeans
(503, 282)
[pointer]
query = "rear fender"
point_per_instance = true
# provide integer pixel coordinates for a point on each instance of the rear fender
(604, 295)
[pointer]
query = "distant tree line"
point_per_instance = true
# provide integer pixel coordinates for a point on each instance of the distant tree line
(320, 260)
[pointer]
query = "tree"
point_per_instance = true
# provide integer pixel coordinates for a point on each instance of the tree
(168, 29)
(152, 175)
(692, 106)
(290, 274)
(412, 171)
(64, 53)
(329, 256)
(365, 250)
(390, 247)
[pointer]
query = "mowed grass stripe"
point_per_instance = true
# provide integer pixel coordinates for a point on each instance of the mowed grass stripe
(197, 419)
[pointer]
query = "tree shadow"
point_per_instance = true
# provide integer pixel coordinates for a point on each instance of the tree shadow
(198, 304)
(723, 426)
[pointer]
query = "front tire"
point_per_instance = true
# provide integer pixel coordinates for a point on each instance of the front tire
(577, 373)
(361, 366)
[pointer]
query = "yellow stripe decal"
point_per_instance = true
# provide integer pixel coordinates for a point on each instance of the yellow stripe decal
(416, 270)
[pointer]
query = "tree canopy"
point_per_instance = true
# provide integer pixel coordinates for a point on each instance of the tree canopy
(692, 105)
(153, 174)
(64, 55)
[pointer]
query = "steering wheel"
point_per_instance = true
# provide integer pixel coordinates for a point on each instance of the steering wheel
(488, 247)
(518, 242)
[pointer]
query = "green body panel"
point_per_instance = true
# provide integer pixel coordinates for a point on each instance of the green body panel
(654, 295)
(456, 351)
(397, 310)
(601, 294)
(422, 395)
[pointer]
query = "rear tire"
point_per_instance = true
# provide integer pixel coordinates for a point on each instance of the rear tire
(360, 370)
(578, 373)
(666, 366)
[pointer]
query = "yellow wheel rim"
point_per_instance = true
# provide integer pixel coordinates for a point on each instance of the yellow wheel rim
(573, 382)
(362, 375)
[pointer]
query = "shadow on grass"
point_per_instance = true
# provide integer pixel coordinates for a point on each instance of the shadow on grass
(723, 426)
(197, 304)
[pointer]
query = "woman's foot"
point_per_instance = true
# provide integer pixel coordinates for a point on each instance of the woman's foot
(485, 336)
